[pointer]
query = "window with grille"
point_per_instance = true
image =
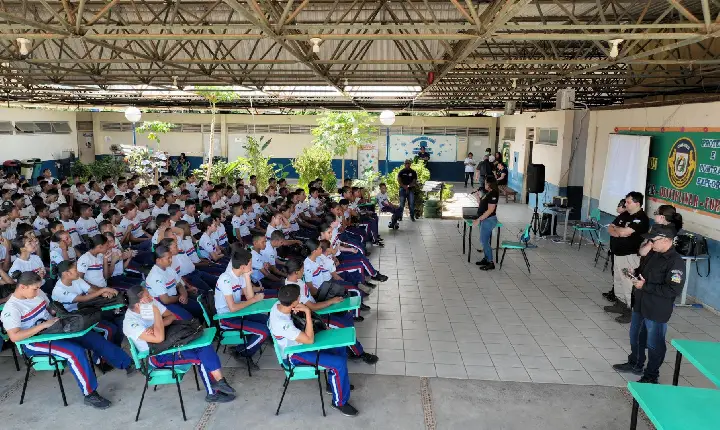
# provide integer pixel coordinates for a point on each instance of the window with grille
(547, 136)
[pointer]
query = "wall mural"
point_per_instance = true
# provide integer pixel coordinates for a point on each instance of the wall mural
(441, 148)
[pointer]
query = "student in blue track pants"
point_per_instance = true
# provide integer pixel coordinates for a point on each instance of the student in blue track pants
(146, 331)
(25, 315)
(286, 335)
(231, 287)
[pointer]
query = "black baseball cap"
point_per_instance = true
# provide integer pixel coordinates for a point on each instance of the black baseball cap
(660, 230)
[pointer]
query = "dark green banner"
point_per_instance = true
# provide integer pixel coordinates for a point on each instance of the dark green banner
(684, 169)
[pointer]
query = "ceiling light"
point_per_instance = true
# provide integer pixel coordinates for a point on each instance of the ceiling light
(514, 82)
(316, 44)
(387, 117)
(24, 45)
(614, 43)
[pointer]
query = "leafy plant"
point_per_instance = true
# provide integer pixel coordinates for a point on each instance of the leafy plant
(145, 162)
(106, 166)
(181, 169)
(80, 170)
(214, 95)
(257, 163)
(216, 172)
(339, 131)
(315, 162)
(370, 179)
(154, 129)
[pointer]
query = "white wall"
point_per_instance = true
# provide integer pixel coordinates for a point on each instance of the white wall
(42, 146)
(603, 123)
(555, 158)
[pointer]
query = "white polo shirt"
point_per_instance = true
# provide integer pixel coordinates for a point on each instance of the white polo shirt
(228, 285)
(88, 227)
(92, 267)
(283, 329)
(162, 281)
(135, 325)
(72, 230)
(66, 295)
(25, 313)
(34, 264)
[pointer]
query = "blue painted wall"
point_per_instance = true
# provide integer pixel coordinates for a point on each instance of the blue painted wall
(704, 289)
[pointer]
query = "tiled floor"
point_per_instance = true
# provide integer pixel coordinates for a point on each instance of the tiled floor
(440, 316)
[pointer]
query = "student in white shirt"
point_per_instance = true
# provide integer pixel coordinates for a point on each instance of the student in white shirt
(165, 285)
(81, 193)
(286, 335)
(61, 248)
(262, 269)
(221, 233)
(143, 332)
(69, 225)
(160, 206)
(231, 287)
(86, 225)
(207, 246)
(189, 216)
(71, 289)
(25, 249)
(241, 231)
(41, 221)
(25, 315)
(132, 228)
(187, 245)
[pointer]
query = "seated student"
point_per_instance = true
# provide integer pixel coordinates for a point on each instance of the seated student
(41, 220)
(160, 207)
(207, 245)
(185, 268)
(205, 210)
(71, 289)
(103, 265)
(163, 228)
(312, 275)
(349, 257)
(221, 233)
(231, 287)
(186, 244)
(143, 332)
(25, 315)
(104, 206)
(189, 217)
(144, 216)
(386, 206)
(261, 268)
(287, 335)
(132, 231)
(270, 253)
(87, 226)
(348, 238)
(350, 277)
(70, 227)
(175, 213)
(25, 249)
(61, 248)
(239, 223)
(165, 285)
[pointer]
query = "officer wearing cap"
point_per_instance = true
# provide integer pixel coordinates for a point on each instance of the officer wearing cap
(407, 179)
(656, 284)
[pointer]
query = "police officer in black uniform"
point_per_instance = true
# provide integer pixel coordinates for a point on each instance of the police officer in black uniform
(656, 283)
(407, 179)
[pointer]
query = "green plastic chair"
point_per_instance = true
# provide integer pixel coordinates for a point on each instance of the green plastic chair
(297, 372)
(603, 248)
(155, 377)
(592, 228)
(225, 337)
(520, 245)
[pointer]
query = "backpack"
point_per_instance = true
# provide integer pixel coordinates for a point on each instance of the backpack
(691, 245)
(101, 302)
(328, 290)
(179, 333)
(298, 320)
(71, 322)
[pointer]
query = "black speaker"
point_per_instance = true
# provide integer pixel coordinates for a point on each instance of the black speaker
(536, 178)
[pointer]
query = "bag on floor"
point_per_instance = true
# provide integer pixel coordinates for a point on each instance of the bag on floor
(179, 333)
(692, 245)
(299, 321)
(71, 322)
(328, 290)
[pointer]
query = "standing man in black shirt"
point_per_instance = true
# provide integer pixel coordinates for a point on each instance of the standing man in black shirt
(407, 179)
(625, 239)
(484, 169)
(487, 221)
(657, 282)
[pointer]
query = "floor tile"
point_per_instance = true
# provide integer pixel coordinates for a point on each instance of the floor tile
(456, 371)
(578, 377)
(544, 375)
(420, 369)
(487, 373)
(532, 362)
(389, 368)
(513, 374)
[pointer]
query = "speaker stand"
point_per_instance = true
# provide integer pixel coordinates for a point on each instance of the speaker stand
(535, 219)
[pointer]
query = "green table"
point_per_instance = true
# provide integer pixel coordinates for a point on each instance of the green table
(468, 224)
(326, 339)
(204, 340)
(112, 307)
(349, 304)
(705, 356)
(262, 307)
(676, 408)
(52, 337)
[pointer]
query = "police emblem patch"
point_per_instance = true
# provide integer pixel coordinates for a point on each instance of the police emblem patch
(682, 163)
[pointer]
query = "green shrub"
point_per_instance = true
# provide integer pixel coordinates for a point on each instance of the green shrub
(315, 162)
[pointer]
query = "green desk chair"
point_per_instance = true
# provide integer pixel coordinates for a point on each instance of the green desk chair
(295, 372)
(5, 338)
(591, 227)
(155, 377)
(603, 247)
(225, 337)
(520, 245)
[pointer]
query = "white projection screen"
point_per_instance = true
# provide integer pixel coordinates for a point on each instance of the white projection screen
(625, 169)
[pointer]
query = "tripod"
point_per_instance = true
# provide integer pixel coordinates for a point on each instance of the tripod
(535, 219)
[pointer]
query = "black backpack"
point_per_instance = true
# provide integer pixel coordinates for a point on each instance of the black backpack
(101, 302)
(298, 320)
(328, 290)
(71, 322)
(179, 333)
(691, 245)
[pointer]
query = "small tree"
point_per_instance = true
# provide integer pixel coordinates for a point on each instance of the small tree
(315, 162)
(339, 131)
(214, 95)
(154, 129)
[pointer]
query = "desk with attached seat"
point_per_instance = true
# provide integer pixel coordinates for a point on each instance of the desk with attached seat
(469, 215)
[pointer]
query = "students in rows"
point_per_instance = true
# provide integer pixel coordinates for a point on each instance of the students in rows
(146, 331)
(25, 315)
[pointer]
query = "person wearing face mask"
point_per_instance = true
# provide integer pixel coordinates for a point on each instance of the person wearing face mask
(656, 283)
(144, 324)
(25, 315)
(625, 239)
